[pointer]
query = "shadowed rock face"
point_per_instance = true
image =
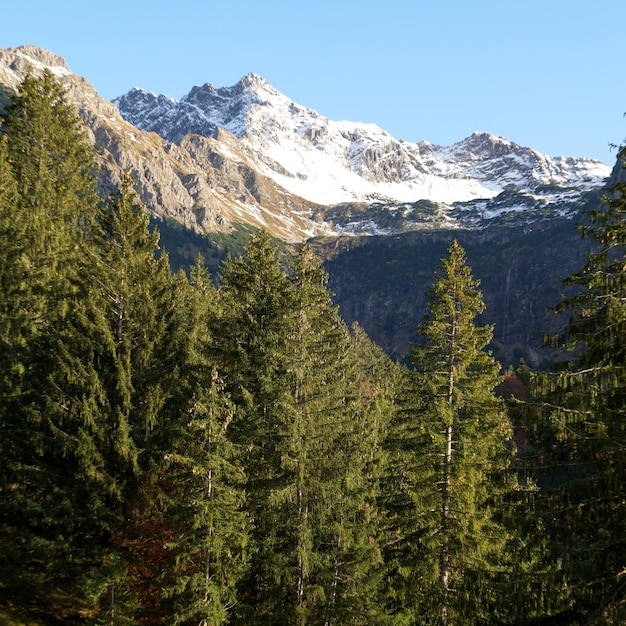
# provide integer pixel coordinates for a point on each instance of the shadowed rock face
(382, 283)
(618, 173)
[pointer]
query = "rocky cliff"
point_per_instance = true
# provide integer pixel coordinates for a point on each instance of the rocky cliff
(382, 282)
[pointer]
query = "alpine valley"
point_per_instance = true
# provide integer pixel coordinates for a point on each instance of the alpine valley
(380, 211)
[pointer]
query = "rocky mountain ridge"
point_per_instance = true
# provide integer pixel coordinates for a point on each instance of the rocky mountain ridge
(331, 162)
(248, 155)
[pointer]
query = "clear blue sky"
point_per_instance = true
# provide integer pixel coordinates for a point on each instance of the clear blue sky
(548, 74)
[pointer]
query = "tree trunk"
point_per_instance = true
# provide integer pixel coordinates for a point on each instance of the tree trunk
(444, 563)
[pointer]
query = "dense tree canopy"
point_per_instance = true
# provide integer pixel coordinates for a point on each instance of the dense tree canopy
(47, 201)
(179, 449)
(581, 423)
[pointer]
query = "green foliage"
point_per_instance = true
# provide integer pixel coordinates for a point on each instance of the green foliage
(425, 208)
(181, 450)
(102, 394)
(452, 462)
(340, 402)
(291, 366)
(580, 423)
(48, 198)
(52, 162)
(209, 527)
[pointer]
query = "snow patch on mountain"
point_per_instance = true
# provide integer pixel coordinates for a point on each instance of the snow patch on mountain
(330, 162)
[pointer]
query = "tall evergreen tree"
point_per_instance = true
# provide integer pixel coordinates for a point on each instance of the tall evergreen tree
(136, 424)
(107, 411)
(41, 232)
(584, 404)
(53, 197)
(49, 154)
(249, 336)
(209, 535)
(130, 337)
(42, 227)
(55, 172)
(248, 330)
(9, 235)
(351, 531)
(449, 539)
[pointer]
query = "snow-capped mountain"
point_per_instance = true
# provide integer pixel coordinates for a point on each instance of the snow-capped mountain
(248, 155)
(330, 162)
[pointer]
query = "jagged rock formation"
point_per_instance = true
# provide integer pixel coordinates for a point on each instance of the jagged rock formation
(247, 154)
(334, 162)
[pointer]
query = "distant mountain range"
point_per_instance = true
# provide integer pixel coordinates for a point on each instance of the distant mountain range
(248, 154)
(335, 164)
(330, 162)
(381, 209)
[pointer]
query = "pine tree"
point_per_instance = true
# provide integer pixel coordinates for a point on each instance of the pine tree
(9, 235)
(137, 418)
(42, 233)
(248, 329)
(209, 525)
(42, 230)
(132, 339)
(52, 199)
(55, 172)
(449, 539)
(536, 590)
(249, 333)
(305, 431)
(582, 423)
(48, 152)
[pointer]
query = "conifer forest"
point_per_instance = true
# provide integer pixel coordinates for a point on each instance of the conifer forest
(188, 449)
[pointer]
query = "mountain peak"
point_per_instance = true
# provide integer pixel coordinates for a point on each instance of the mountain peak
(25, 58)
(41, 56)
(258, 88)
(330, 162)
(202, 111)
(283, 163)
(254, 81)
(483, 138)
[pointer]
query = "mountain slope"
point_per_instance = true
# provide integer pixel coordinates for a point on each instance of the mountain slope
(248, 155)
(331, 162)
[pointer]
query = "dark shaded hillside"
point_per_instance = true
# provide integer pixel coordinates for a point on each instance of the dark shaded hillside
(184, 245)
(381, 282)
